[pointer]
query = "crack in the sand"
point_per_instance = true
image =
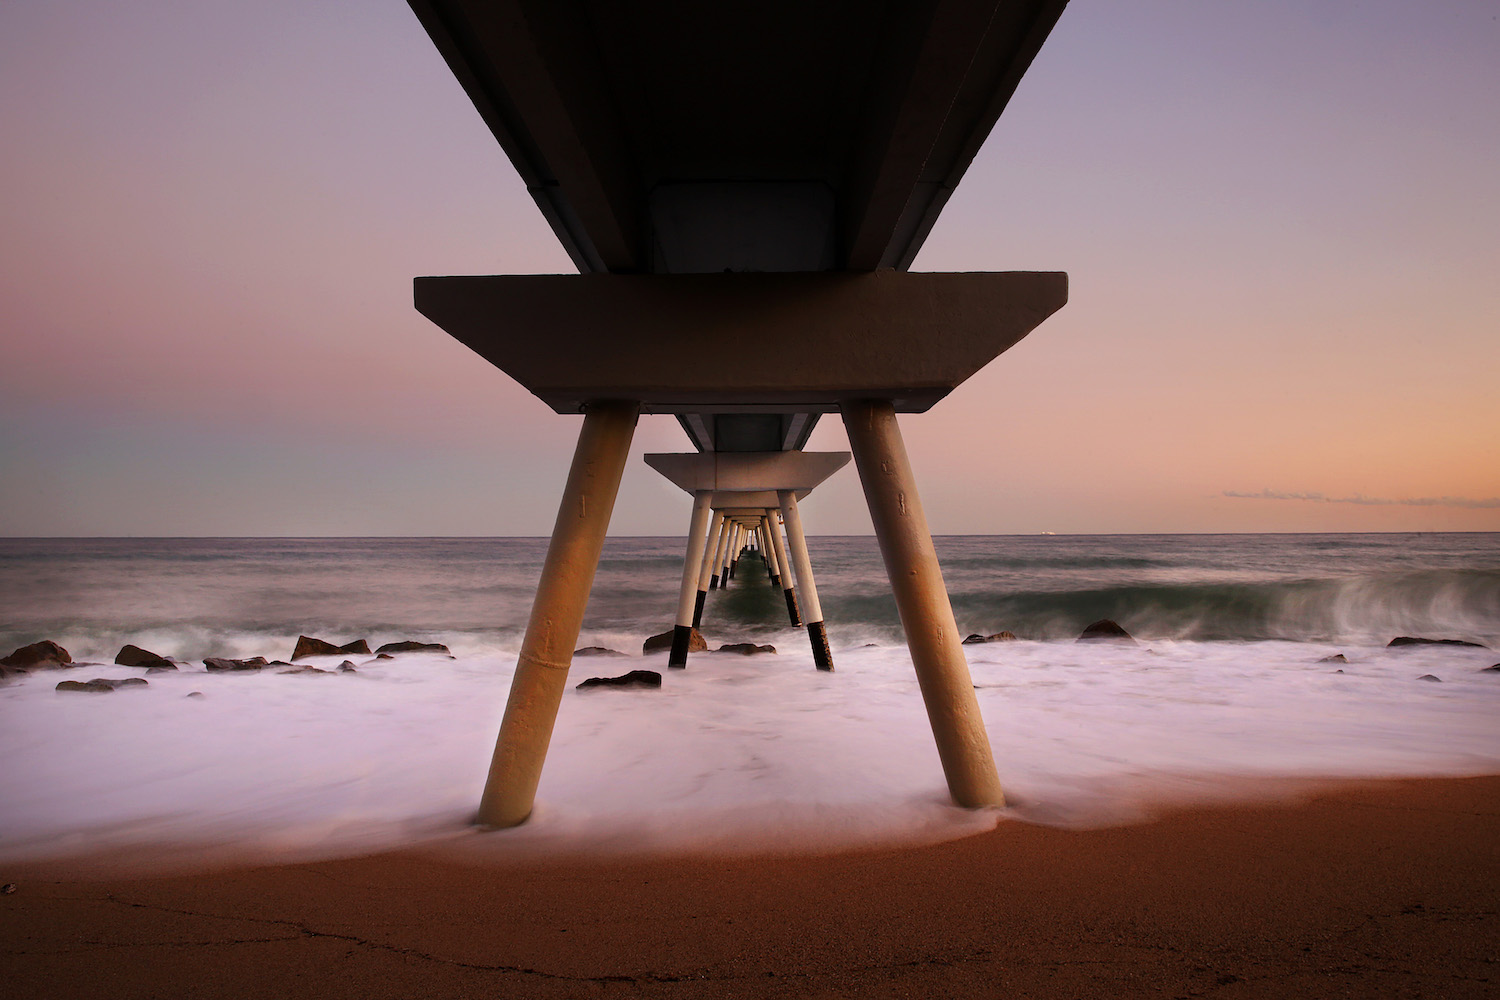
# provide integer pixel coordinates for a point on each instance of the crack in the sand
(303, 930)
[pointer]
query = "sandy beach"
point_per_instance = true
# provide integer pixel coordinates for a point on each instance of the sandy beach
(1370, 889)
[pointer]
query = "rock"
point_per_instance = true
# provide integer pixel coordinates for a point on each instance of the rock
(1410, 640)
(696, 643)
(196, 694)
(347, 667)
(597, 651)
(161, 670)
(384, 656)
(38, 656)
(304, 669)
(1491, 670)
(976, 638)
(220, 663)
(406, 646)
(102, 684)
(1105, 630)
(746, 648)
(135, 656)
(308, 646)
(634, 679)
(1429, 677)
(1338, 671)
(1335, 658)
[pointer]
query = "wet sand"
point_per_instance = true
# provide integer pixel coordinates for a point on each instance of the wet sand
(1374, 889)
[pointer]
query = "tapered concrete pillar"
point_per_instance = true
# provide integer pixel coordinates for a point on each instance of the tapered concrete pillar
(926, 614)
(692, 563)
(734, 550)
(557, 612)
(788, 584)
(817, 632)
(718, 563)
(711, 546)
(768, 551)
(727, 573)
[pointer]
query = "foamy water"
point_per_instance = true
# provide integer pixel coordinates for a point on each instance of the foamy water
(735, 753)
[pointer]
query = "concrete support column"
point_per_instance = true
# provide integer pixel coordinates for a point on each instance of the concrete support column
(715, 579)
(926, 614)
(768, 550)
(557, 612)
(817, 632)
(728, 571)
(710, 547)
(787, 582)
(734, 550)
(692, 563)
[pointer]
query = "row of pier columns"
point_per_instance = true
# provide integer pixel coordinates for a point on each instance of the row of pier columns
(716, 538)
(573, 556)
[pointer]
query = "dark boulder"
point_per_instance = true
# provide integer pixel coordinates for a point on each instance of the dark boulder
(38, 656)
(597, 651)
(1105, 630)
(1411, 640)
(407, 646)
(223, 663)
(102, 685)
(976, 638)
(384, 656)
(634, 679)
(696, 642)
(308, 646)
(1335, 658)
(347, 667)
(745, 648)
(135, 656)
(1491, 670)
(303, 669)
(1429, 677)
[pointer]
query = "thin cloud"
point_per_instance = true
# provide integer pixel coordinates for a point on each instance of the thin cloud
(1363, 500)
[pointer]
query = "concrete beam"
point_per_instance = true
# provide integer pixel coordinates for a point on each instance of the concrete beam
(667, 340)
(724, 471)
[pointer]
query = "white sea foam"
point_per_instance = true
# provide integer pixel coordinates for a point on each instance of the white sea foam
(735, 753)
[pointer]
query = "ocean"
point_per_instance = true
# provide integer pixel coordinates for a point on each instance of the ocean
(1224, 694)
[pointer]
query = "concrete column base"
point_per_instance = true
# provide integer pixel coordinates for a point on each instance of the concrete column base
(682, 635)
(817, 634)
(698, 608)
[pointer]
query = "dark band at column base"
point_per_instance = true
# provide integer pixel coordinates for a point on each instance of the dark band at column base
(682, 635)
(731, 568)
(793, 612)
(713, 582)
(775, 580)
(698, 609)
(817, 634)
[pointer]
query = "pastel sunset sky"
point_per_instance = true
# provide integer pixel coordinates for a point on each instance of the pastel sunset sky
(1281, 221)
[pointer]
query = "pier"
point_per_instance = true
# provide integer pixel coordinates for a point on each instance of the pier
(742, 191)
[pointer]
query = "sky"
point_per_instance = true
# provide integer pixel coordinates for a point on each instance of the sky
(1281, 223)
